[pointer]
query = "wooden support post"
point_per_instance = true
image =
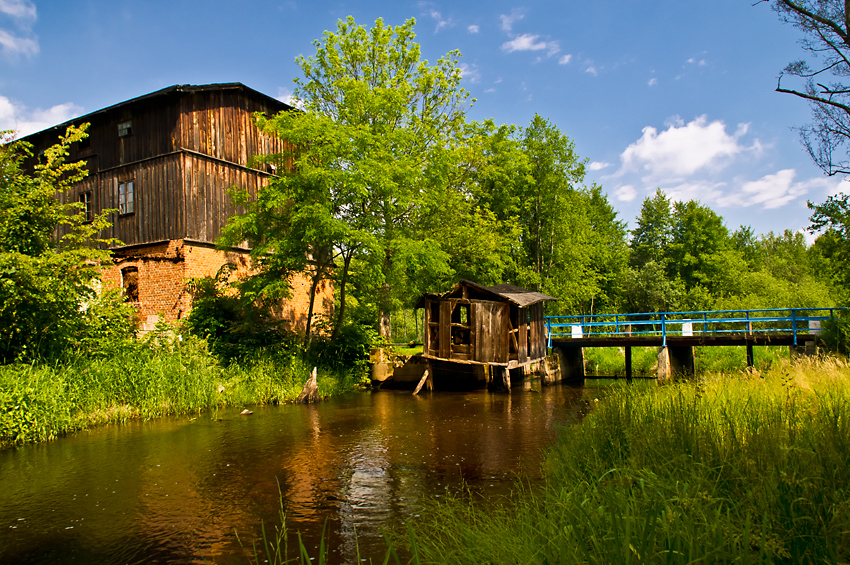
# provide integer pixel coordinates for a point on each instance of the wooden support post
(422, 382)
(750, 357)
(628, 364)
(506, 378)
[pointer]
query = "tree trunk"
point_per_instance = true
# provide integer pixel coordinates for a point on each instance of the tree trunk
(317, 276)
(339, 317)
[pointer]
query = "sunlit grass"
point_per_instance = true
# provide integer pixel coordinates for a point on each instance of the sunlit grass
(41, 401)
(732, 468)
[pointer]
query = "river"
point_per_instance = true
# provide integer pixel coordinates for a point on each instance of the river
(175, 490)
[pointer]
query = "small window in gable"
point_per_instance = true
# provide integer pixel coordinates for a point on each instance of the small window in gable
(125, 128)
(130, 283)
(126, 197)
(87, 205)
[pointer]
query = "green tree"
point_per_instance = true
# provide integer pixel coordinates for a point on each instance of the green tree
(698, 236)
(653, 231)
(49, 299)
(380, 129)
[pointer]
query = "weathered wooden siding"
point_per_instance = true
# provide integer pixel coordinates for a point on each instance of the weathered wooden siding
(205, 196)
(490, 323)
(220, 124)
(537, 336)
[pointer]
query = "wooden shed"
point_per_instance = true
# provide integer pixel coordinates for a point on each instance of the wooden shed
(498, 325)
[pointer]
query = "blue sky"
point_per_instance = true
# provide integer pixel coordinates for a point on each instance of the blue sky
(676, 94)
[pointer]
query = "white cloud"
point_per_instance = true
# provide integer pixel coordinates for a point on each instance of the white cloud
(509, 21)
(592, 70)
(565, 59)
(684, 149)
(489, 90)
(625, 193)
(14, 46)
(25, 121)
(471, 73)
(286, 96)
(653, 81)
(524, 42)
(20, 42)
(441, 22)
(18, 9)
(472, 29)
(598, 165)
(778, 189)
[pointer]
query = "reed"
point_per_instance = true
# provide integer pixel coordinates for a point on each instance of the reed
(41, 401)
(744, 468)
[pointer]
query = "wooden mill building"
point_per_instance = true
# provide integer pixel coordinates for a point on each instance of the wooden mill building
(496, 326)
(165, 161)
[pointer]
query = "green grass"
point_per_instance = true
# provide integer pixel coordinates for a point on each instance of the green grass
(729, 469)
(40, 402)
(611, 360)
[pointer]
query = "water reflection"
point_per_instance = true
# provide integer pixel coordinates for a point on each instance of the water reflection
(174, 491)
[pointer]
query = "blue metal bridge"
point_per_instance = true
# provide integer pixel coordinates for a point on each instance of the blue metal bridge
(679, 330)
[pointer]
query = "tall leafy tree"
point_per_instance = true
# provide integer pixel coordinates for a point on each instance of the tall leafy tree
(49, 300)
(378, 132)
(653, 232)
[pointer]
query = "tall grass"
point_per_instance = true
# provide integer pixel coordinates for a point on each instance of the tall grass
(40, 401)
(610, 361)
(730, 469)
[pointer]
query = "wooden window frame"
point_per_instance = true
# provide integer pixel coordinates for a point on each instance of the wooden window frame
(126, 206)
(86, 198)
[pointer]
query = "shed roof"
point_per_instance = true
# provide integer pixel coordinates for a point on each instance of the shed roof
(520, 296)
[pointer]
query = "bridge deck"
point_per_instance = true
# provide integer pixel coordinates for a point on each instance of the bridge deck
(674, 340)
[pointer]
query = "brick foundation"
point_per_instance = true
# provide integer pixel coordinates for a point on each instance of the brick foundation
(160, 272)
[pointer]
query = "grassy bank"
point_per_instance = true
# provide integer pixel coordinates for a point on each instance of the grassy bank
(610, 361)
(41, 401)
(732, 469)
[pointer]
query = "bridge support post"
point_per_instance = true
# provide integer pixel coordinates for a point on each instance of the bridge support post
(675, 361)
(750, 356)
(628, 363)
(571, 361)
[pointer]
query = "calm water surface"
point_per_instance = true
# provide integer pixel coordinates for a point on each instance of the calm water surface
(175, 490)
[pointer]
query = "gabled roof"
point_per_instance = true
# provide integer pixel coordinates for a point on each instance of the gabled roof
(167, 91)
(520, 296)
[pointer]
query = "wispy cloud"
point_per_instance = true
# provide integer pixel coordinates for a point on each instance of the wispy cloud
(16, 37)
(524, 42)
(508, 20)
(24, 121)
(652, 82)
(591, 70)
(470, 73)
(565, 59)
(598, 165)
(472, 29)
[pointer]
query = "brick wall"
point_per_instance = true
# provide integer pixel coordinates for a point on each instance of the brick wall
(164, 268)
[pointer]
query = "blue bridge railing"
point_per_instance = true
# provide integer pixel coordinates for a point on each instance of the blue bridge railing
(796, 321)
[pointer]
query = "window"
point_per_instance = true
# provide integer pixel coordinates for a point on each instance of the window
(130, 283)
(125, 128)
(84, 144)
(125, 198)
(87, 205)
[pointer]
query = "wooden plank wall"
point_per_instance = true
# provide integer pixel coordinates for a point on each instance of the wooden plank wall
(490, 324)
(220, 124)
(207, 202)
(537, 337)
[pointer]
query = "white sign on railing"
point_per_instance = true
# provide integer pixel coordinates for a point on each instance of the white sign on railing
(575, 332)
(687, 329)
(814, 327)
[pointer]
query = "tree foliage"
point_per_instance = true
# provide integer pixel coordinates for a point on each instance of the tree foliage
(822, 78)
(50, 300)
